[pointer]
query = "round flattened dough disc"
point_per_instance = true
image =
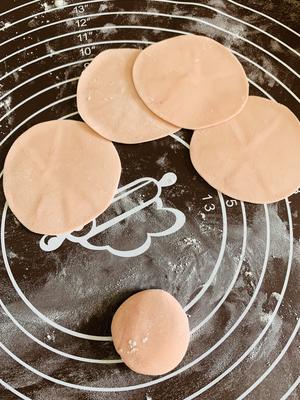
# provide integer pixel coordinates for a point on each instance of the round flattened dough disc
(253, 157)
(150, 331)
(191, 81)
(108, 102)
(59, 175)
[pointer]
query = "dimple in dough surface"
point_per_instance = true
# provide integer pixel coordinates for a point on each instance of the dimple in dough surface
(253, 157)
(150, 331)
(59, 175)
(108, 102)
(191, 81)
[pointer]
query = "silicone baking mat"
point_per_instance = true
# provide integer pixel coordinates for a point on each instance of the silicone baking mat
(234, 266)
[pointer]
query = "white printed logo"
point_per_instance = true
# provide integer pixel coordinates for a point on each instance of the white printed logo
(48, 243)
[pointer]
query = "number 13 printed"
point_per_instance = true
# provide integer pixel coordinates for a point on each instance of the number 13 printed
(208, 207)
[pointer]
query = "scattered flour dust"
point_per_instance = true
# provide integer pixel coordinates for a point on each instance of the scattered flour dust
(177, 10)
(275, 46)
(217, 3)
(260, 76)
(47, 6)
(136, 19)
(70, 23)
(51, 336)
(276, 295)
(103, 7)
(60, 3)
(5, 107)
(11, 254)
(265, 317)
(5, 25)
(209, 27)
(57, 4)
(153, 10)
(50, 49)
(108, 29)
(5, 104)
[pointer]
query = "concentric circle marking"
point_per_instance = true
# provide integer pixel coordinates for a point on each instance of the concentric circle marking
(50, 348)
(18, 7)
(176, 372)
(244, 312)
(73, 48)
(264, 15)
(27, 302)
(100, 1)
(107, 338)
(73, 96)
(215, 268)
(269, 323)
(192, 303)
(207, 283)
(146, 42)
(142, 27)
(273, 365)
(186, 145)
(255, 85)
(48, 71)
(235, 277)
(168, 1)
(61, 83)
(56, 85)
(13, 390)
(66, 6)
(291, 389)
